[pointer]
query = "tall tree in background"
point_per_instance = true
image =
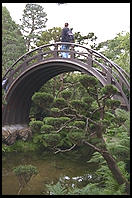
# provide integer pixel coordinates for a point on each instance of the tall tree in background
(33, 22)
(118, 50)
(13, 45)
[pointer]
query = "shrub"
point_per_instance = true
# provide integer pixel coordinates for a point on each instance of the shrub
(88, 100)
(43, 99)
(76, 136)
(60, 103)
(51, 139)
(56, 122)
(35, 126)
(79, 124)
(88, 81)
(112, 104)
(25, 169)
(46, 128)
(78, 105)
(24, 174)
(66, 94)
(109, 90)
(55, 112)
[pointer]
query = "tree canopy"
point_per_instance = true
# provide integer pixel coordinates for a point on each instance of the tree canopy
(33, 22)
(13, 44)
(118, 50)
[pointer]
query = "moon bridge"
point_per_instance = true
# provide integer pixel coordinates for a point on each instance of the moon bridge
(36, 67)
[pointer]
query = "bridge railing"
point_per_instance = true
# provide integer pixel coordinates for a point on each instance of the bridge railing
(90, 57)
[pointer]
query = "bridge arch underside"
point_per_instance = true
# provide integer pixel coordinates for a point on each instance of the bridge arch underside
(19, 94)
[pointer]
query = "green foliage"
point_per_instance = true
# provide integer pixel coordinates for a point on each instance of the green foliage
(33, 22)
(46, 128)
(21, 146)
(90, 189)
(66, 94)
(78, 105)
(25, 169)
(44, 100)
(118, 50)
(48, 140)
(6, 148)
(109, 90)
(35, 126)
(110, 184)
(76, 136)
(52, 34)
(12, 41)
(55, 112)
(88, 81)
(79, 124)
(82, 102)
(88, 100)
(56, 189)
(88, 39)
(123, 117)
(60, 103)
(113, 104)
(24, 174)
(56, 122)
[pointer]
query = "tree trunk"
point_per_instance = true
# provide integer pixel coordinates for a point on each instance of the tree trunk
(115, 170)
(112, 166)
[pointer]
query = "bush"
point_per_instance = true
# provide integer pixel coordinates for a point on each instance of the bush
(46, 128)
(109, 90)
(76, 136)
(56, 122)
(43, 99)
(112, 104)
(25, 169)
(60, 103)
(35, 126)
(78, 105)
(66, 94)
(51, 140)
(88, 81)
(79, 124)
(88, 100)
(55, 112)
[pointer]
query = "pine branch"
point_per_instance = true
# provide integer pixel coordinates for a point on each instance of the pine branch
(67, 122)
(62, 151)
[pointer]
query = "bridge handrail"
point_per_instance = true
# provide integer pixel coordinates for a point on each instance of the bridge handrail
(91, 51)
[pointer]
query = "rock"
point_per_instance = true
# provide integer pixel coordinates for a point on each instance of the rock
(10, 133)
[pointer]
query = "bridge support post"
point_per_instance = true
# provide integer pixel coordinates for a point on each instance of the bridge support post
(108, 76)
(56, 51)
(89, 60)
(40, 55)
(72, 53)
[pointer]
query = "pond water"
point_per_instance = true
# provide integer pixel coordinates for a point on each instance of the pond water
(52, 168)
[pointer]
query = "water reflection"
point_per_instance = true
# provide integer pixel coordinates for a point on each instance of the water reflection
(51, 169)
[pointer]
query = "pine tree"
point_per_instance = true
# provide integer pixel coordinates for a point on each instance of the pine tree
(13, 45)
(33, 22)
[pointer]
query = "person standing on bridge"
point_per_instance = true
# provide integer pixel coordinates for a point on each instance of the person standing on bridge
(5, 84)
(66, 35)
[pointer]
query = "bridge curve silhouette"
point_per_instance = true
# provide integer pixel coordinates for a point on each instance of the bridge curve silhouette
(36, 67)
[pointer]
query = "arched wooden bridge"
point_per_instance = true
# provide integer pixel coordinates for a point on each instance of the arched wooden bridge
(36, 67)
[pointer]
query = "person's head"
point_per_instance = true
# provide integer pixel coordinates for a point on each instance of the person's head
(66, 24)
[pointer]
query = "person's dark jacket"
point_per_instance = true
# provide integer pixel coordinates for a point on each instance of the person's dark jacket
(64, 35)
